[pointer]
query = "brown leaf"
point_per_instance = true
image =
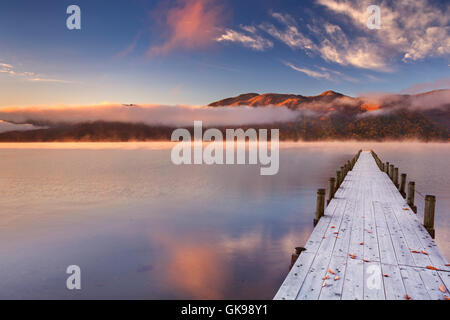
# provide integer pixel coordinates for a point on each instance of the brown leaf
(407, 297)
(332, 227)
(447, 265)
(415, 251)
(336, 278)
(424, 252)
(385, 275)
(326, 277)
(366, 260)
(330, 271)
(442, 289)
(352, 256)
(406, 209)
(324, 284)
(432, 268)
(362, 243)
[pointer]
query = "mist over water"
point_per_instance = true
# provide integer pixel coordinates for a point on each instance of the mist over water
(141, 227)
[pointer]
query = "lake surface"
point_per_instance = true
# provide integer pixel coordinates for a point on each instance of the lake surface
(142, 228)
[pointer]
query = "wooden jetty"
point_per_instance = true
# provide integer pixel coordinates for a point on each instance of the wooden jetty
(368, 242)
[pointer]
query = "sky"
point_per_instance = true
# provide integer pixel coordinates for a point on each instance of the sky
(193, 52)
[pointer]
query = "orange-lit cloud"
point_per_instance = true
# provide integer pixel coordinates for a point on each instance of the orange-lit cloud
(190, 24)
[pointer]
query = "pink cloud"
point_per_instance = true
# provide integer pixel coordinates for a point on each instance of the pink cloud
(190, 24)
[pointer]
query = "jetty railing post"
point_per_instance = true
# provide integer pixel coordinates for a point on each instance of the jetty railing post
(332, 182)
(387, 167)
(391, 172)
(411, 191)
(402, 185)
(428, 215)
(338, 180)
(320, 205)
(396, 177)
(349, 165)
(295, 255)
(342, 176)
(382, 168)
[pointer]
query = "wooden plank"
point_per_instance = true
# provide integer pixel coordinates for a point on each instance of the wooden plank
(313, 281)
(393, 282)
(401, 248)
(353, 288)
(415, 288)
(341, 246)
(432, 282)
(387, 252)
(294, 280)
(333, 286)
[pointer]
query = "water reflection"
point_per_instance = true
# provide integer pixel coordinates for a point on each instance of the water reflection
(142, 228)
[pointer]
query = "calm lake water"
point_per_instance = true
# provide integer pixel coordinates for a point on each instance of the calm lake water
(142, 228)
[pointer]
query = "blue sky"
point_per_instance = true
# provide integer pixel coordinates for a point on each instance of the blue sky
(197, 51)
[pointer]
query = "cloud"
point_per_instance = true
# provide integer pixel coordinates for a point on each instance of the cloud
(8, 126)
(250, 40)
(443, 83)
(309, 72)
(414, 29)
(290, 35)
(29, 76)
(180, 115)
(190, 24)
(410, 31)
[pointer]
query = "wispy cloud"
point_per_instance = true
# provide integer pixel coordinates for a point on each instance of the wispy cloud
(6, 68)
(251, 39)
(414, 29)
(309, 72)
(410, 31)
(443, 83)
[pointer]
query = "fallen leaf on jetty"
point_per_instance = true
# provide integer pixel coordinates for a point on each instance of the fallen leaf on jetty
(442, 289)
(336, 278)
(432, 268)
(324, 284)
(336, 232)
(424, 252)
(406, 209)
(415, 251)
(407, 297)
(326, 277)
(332, 227)
(447, 265)
(385, 275)
(366, 260)
(330, 271)
(362, 243)
(352, 256)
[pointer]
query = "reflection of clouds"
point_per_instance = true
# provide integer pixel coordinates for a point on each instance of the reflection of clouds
(296, 237)
(246, 242)
(198, 270)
